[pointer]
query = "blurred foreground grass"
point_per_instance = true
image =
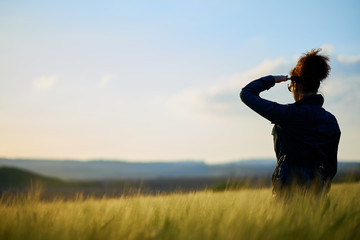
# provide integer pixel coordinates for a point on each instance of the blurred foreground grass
(244, 214)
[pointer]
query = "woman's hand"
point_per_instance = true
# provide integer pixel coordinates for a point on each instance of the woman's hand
(281, 78)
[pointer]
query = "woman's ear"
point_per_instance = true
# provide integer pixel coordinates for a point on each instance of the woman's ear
(295, 86)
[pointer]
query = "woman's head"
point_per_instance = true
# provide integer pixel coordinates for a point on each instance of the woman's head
(310, 70)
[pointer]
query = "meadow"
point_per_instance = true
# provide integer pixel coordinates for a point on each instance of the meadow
(241, 214)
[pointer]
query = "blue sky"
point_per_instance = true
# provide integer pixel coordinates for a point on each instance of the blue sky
(160, 80)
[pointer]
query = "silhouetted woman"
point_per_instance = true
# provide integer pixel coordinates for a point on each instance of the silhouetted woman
(306, 136)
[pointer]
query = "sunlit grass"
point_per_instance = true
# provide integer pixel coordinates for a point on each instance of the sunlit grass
(244, 214)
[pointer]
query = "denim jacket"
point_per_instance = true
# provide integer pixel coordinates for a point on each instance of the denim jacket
(306, 136)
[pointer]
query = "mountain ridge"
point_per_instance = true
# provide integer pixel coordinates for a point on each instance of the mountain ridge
(99, 169)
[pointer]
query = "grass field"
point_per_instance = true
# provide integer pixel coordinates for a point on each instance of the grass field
(244, 214)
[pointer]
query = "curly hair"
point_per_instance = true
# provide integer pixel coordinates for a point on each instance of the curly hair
(310, 70)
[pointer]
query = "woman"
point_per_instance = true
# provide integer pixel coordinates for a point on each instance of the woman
(306, 136)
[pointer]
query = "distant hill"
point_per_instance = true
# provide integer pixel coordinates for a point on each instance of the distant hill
(121, 170)
(99, 178)
(11, 177)
(19, 181)
(115, 170)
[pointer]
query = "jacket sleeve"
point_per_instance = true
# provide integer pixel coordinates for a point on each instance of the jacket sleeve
(330, 166)
(274, 112)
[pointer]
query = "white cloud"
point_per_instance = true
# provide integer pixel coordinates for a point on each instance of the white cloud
(349, 60)
(341, 89)
(106, 79)
(223, 99)
(327, 49)
(343, 95)
(45, 82)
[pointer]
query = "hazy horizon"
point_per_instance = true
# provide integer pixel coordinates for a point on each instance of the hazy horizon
(157, 160)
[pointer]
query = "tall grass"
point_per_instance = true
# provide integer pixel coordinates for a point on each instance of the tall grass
(244, 214)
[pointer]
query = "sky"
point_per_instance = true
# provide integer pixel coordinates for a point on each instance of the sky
(160, 80)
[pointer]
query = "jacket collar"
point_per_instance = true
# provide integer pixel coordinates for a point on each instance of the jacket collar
(313, 99)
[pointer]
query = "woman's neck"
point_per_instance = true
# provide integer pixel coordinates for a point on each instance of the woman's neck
(301, 95)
